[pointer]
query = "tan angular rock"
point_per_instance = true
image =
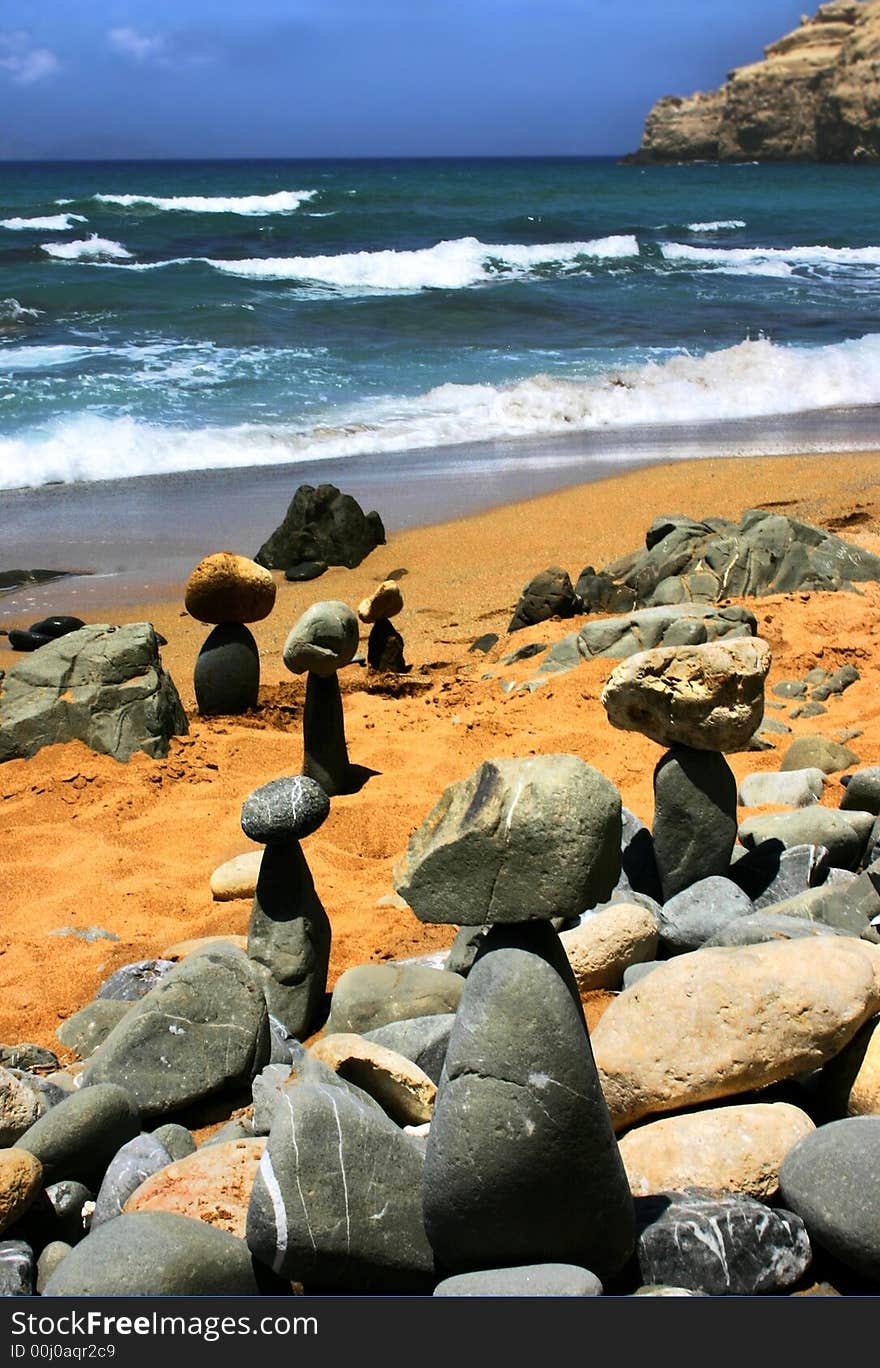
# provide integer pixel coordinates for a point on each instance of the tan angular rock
(722, 1021)
(225, 587)
(400, 1087)
(708, 697)
(212, 1185)
(237, 878)
(737, 1148)
(197, 944)
(386, 601)
(21, 1180)
(850, 1084)
(608, 942)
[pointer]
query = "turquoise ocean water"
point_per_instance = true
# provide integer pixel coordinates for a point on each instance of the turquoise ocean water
(349, 318)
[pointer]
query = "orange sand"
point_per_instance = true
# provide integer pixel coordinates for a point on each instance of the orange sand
(131, 848)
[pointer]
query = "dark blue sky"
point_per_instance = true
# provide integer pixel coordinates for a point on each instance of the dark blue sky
(300, 78)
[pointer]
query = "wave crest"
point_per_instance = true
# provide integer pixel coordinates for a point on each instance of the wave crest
(52, 223)
(93, 248)
(283, 202)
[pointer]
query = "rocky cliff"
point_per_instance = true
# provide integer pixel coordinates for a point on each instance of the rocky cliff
(814, 97)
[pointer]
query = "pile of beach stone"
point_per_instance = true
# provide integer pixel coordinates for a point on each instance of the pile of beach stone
(448, 1125)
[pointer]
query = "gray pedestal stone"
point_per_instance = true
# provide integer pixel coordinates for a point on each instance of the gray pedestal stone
(695, 818)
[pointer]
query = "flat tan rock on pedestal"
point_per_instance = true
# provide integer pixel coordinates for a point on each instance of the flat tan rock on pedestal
(709, 697)
(386, 601)
(733, 1148)
(722, 1021)
(400, 1087)
(225, 587)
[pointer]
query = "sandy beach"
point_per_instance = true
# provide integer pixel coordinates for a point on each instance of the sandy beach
(130, 849)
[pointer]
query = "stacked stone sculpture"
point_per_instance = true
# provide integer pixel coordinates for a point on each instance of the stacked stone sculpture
(289, 932)
(521, 1165)
(699, 701)
(385, 644)
(229, 591)
(324, 640)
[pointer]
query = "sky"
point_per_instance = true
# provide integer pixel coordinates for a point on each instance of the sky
(360, 78)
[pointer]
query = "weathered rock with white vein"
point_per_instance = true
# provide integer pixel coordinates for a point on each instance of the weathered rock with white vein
(202, 1029)
(606, 943)
(723, 1244)
(736, 1148)
(287, 809)
(336, 1203)
(521, 1164)
(709, 697)
(518, 840)
(724, 1021)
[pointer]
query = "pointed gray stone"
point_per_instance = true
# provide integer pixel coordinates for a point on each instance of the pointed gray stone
(522, 1165)
(830, 1179)
(289, 938)
(694, 817)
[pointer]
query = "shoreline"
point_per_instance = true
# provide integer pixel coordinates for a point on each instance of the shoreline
(139, 538)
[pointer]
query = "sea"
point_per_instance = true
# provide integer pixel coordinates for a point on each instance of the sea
(436, 334)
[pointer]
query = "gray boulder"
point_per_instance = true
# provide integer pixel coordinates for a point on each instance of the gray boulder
(792, 788)
(756, 928)
(697, 912)
(424, 1040)
(521, 1163)
(132, 1163)
(818, 752)
(694, 817)
(724, 1244)
(371, 995)
(90, 1026)
(159, 1253)
(203, 1029)
(176, 1139)
(518, 840)
(685, 624)
(102, 685)
(78, 1138)
(844, 835)
(289, 937)
(830, 1179)
(862, 790)
(771, 872)
(336, 1203)
(323, 640)
(533, 1280)
(133, 981)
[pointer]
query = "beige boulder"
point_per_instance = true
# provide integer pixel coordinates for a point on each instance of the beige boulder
(225, 587)
(732, 1149)
(212, 1185)
(400, 1087)
(21, 1180)
(726, 1020)
(198, 944)
(237, 878)
(608, 942)
(709, 697)
(386, 601)
(849, 1085)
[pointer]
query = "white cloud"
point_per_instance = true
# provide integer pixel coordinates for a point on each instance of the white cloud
(26, 64)
(140, 46)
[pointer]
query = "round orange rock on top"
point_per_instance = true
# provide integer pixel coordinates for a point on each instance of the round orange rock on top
(225, 587)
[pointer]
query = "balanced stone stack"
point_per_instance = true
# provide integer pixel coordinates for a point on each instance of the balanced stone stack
(324, 640)
(699, 701)
(521, 1167)
(385, 644)
(289, 932)
(229, 591)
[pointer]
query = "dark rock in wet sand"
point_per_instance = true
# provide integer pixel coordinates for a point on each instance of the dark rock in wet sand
(385, 648)
(484, 643)
(322, 524)
(305, 570)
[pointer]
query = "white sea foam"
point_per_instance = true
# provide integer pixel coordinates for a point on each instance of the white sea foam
(752, 379)
(771, 261)
(93, 248)
(452, 265)
(53, 223)
(283, 202)
(715, 226)
(17, 359)
(11, 311)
